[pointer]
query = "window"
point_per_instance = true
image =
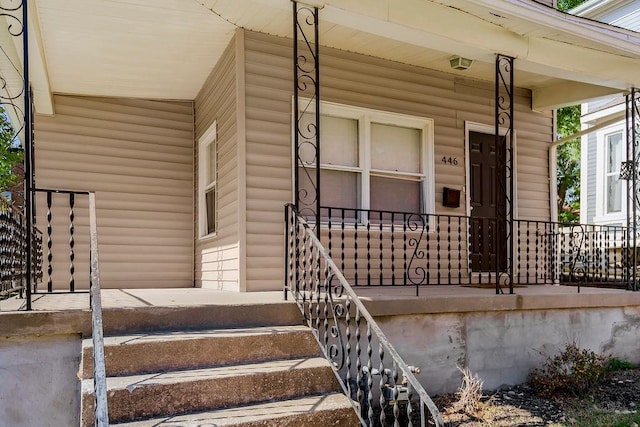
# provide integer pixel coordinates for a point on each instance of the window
(207, 178)
(613, 185)
(372, 160)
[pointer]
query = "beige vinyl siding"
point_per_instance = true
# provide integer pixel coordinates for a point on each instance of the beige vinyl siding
(218, 258)
(137, 156)
(363, 81)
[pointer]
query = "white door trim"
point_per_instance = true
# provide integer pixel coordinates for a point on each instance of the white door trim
(488, 129)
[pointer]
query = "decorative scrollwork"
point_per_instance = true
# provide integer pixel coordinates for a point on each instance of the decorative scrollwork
(504, 109)
(11, 10)
(11, 98)
(348, 335)
(307, 116)
(416, 223)
(307, 68)
(9, 103)
(574, 249)
(334, 318)
(16, 102)
(633, 186)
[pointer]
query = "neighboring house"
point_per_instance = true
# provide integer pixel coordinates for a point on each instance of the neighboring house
(179, 115)
(603, 195)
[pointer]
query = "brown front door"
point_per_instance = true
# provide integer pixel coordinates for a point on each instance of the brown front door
(486, 229)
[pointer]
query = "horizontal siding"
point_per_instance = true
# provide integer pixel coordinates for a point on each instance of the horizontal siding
(217, 260)
(624, 15)
(630, 21)
(220, 268)
(137, 156)
(368, 82)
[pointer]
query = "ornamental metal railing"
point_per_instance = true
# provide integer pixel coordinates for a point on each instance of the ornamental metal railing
(65, 239)
(13, 252)
(385, 248)
(383, 388)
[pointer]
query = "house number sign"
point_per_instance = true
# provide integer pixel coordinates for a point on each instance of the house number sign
(450, 160)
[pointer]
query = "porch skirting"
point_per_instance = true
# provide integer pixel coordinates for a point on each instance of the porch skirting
(502, 337)
(499, 337)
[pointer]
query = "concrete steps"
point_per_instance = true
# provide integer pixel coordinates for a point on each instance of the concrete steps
(265, 376)
(156, 352)
(327, 410)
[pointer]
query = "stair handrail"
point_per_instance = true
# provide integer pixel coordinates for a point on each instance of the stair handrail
(312, 254)
(99, 371)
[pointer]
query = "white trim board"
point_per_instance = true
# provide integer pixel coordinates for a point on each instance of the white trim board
(488, 129)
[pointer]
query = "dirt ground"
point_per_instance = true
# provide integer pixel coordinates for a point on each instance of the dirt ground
(520, 406)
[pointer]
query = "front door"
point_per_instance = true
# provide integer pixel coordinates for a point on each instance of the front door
(486, 228)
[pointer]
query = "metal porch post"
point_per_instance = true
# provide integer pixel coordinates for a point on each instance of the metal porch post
(28, 155)
(306, 83)
(630, 171)
(504, 107)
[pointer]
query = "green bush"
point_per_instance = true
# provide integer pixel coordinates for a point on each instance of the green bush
(573, 371)
(616, 364)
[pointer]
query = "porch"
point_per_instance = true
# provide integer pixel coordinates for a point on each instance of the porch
(379, 300)
(216, 147)
(374, 248)
(500, 337)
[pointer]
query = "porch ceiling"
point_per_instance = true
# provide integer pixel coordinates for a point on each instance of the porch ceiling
(166, 48)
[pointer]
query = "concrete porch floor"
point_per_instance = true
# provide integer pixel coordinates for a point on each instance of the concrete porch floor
(430, 299)
(69, 313)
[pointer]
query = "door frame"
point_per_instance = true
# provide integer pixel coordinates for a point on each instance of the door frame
(489, 129)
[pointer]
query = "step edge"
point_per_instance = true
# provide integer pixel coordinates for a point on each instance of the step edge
(340, 403)
(315, 363)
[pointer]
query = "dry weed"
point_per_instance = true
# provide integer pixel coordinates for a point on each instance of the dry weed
(469, 393)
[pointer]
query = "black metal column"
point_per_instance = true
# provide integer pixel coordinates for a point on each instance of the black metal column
(504, 107)
(28, 154)
(20, 103)
(630, 171)
(306, 107)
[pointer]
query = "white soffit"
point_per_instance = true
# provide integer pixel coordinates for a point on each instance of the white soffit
(11, 69)
(166, 48)
(132, 48)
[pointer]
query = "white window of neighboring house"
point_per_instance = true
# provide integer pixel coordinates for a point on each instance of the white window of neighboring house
(371, 159)
(613, 185)
(207, 179)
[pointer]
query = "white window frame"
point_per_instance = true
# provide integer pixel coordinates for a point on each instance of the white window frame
(602, 152)
(608, 174)
(366, 116)
(209, 138)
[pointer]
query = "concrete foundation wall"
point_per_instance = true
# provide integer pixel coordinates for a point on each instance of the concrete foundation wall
(39, 385)
(503, 347)
(39, 363)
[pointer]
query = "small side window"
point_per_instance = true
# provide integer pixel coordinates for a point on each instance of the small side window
(613, 185)
(207, 178)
